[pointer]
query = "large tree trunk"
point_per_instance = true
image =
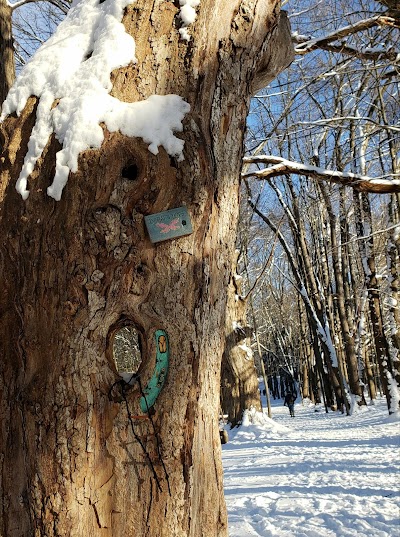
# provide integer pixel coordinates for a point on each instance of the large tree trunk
(75, 271)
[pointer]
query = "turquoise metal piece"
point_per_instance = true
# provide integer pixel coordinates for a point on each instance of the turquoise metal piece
(155, 384)
(168, 224)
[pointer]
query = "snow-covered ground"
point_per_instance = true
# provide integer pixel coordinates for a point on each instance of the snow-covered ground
(314, 475)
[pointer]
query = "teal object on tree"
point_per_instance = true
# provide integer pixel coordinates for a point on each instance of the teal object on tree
(168, 224)
(156, 383)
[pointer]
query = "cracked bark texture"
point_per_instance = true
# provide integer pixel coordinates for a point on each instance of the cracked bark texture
(239, 380)
(7, 67)
(74, 271)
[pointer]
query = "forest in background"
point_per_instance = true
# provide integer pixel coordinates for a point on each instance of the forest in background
(319, 260)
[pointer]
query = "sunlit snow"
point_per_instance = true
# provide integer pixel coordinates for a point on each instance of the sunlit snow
(188, 16)
(70, 74)
(314, 475)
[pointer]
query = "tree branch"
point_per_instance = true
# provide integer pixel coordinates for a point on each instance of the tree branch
(307, 44)
(342, 48)
(281, 166)
(267, 264)
(382, 19)
(20, 3)
(326, 120)
(60, 4)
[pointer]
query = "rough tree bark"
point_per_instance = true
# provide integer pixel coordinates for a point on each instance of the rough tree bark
(348, 338)
(393, 260)
(367, 252)
(74, 271)
(7, 65)
(239, 382)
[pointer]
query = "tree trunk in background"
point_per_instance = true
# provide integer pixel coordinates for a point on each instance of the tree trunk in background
(239, 382)
(7, 65)
(305, 354)
(344, 329)
(367, 253)
(74, 271)
(393, 254)
(369, 376)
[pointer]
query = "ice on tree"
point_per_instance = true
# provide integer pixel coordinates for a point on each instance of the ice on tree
(70, 75)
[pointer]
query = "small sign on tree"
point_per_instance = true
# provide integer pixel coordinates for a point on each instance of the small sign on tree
(168, 224)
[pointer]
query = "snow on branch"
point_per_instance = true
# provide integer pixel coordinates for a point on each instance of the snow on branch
(19, 3)
(58, 3)
(327, 121)
(280, 166)
(307, 44)
(365, 54)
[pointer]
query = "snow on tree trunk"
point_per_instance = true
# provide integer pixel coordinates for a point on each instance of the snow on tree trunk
(76, 270)
(367, 251)
(393, 262)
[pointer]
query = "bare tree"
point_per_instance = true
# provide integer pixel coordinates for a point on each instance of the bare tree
(333, 119)
(24, 24)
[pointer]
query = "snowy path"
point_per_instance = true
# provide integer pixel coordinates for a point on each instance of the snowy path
(315, 475)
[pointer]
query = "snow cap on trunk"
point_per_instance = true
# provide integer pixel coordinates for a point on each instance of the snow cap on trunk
(70, 74)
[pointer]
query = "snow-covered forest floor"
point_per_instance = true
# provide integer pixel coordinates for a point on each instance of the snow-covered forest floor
(314, 475)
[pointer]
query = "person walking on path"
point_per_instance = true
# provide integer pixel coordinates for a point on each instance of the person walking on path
(289, 402)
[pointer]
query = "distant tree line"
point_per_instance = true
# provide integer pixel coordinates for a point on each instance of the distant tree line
(328, 304)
